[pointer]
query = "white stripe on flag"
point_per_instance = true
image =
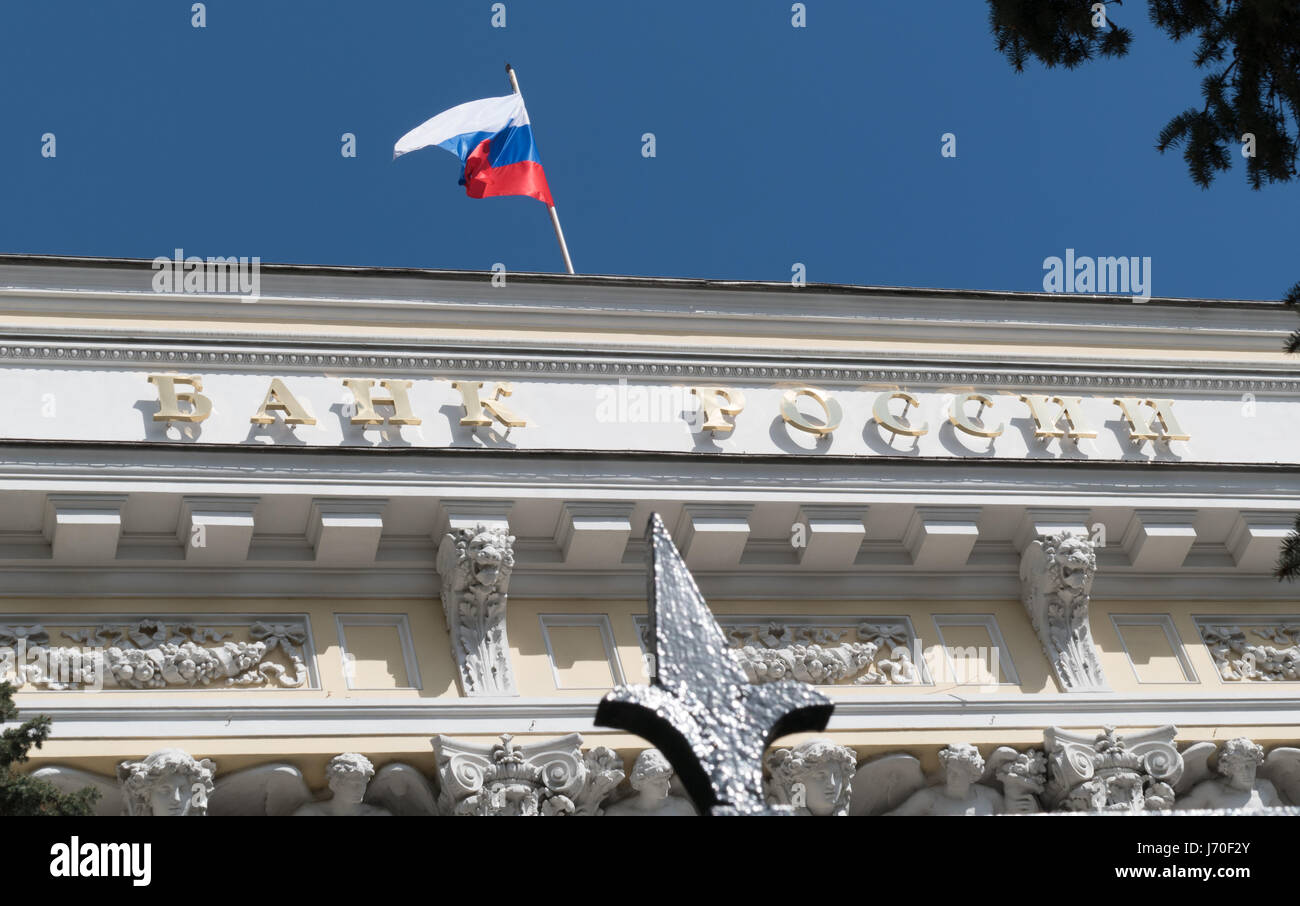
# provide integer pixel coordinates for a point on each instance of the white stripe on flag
(487, 115)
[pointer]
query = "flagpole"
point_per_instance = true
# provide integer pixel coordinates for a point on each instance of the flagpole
(555, 218)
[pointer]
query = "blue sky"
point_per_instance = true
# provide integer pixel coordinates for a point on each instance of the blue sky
(774, 145)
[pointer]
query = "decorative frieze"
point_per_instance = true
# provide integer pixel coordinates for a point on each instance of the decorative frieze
(957, 792)
(1056, 574)
(1242, 778)
(353, 789)
(1106, 774)
(157, 653)
(169, 782)
(821, 651)
(1260, 650)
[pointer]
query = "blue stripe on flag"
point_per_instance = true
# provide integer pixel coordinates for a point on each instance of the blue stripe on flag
(463, 145)
(512, 145)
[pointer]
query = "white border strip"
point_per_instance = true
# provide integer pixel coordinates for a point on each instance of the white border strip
(496, 716)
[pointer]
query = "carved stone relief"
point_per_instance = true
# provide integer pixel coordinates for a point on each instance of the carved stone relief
(1056, 574)
(651, 781)
(1130, 773)
(814, 778)
(1243, 778)
(958, 790)
(1256, 651)
(861, 653)
(1023, 777)
(154, 653)
(475, 565)
(353, 788)
(168, 782)
(1108, 773)
(548, 778)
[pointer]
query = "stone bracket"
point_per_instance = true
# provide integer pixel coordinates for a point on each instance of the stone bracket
(475, 559)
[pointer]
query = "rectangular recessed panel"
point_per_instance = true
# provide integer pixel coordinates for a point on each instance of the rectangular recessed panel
(973, 658)
(579, 657)
(374, 657)
(1153, 657)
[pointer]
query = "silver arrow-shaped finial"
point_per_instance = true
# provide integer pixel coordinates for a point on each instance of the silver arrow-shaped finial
(711, 723)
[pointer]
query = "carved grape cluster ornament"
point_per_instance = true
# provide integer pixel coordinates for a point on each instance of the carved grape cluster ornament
(151, 654)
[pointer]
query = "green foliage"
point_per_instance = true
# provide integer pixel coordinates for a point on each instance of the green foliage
(1292, 298)
(1288, 562)
(23, 795)
(1056, 32)
(1250, 47)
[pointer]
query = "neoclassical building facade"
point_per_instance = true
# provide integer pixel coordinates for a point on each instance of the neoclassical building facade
(374, 541)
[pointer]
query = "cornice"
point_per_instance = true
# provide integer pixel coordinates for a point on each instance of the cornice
(751, 312)
(452, 362)
(434, 275)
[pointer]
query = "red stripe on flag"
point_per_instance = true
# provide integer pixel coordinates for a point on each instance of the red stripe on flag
(523, 178)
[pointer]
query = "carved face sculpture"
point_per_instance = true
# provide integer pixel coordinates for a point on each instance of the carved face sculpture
(652, 775)
(1076, 560)
(487, 555)
(1089, 796)
(1239, 763)
(170, 795)
(513, 798)
(962, 763)
(1026, 775)
(349, 774)
(825, 783)
(167, 782)
(816, 775)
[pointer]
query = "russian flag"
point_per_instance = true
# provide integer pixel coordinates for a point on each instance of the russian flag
(494, 141)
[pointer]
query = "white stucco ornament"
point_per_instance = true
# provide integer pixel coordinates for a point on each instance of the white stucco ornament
(1245, 777)
(554, 777)
(475, 565)
(168, 782)
(1108, 773)
(1023, 776)
(1056, 574)
(958, 792)
(651, 782)
(814, 778)
(354, 788)
(156, 654)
